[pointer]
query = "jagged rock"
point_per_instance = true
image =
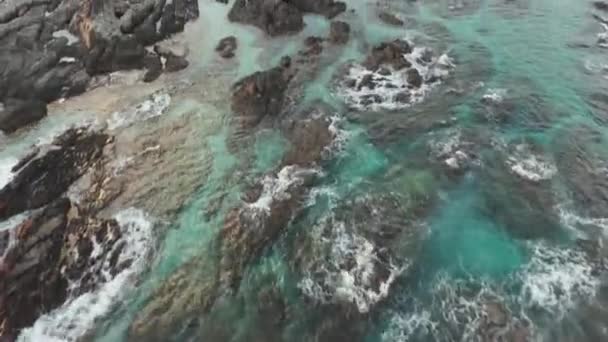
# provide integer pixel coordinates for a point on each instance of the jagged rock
(49, 175)
(262, 93)
(226, 47)
(390, 53)
(339, 32)
(16, 113)
(154, 67)
(51, 247)
(272, 16)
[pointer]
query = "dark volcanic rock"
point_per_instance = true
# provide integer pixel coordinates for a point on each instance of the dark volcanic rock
(51, 247)
(175, 63)
(272, 16)
(16, 113)
(262, 93)
(226, 47)
(49, 175)
(390, 53)
(339, 32)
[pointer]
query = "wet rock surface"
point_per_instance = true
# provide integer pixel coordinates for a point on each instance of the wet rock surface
(50, 259)
(262, 93)
(339, 32)
(45, 177)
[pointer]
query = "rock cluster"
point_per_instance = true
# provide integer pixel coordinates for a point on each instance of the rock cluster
(53, 47)
(279, 17)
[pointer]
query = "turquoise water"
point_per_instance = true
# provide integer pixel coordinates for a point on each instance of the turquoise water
(482, 234)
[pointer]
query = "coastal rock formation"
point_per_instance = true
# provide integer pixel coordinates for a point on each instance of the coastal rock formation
(46, 176)
(273, 17)
(391, 19)
(49, 258)
(278, 17)
(394, 75)
(52, 48)
(274, 202)
(262, 93)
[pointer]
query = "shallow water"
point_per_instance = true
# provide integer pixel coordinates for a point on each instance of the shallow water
(520, 104)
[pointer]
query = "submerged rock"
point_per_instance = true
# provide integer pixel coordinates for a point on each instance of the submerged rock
(339, 32)
(47, 176)
(226, 47)
(390, 19)
(262, 93)
(328, 8)
(250, 228)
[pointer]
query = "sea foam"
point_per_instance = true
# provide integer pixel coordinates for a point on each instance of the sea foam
(78, 315)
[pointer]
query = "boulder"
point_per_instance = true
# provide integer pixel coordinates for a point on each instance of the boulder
(226, 47)
(339, 32)
(275, 17)
(262, 93)
(389, 53)
(46, 177)
(16, 113)
(175, 63)
(413, 78)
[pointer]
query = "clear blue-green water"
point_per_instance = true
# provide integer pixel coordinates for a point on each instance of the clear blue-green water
(505, 229)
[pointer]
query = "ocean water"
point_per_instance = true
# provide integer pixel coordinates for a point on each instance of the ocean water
(490, 193)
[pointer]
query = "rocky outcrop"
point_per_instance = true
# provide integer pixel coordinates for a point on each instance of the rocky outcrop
(268, 209)
(279, 17)
(16, 113)
(339, 32)
(52, 47)
(390, 53)
(262, 93)
(273, 17)
(50, 259)
(48, 175)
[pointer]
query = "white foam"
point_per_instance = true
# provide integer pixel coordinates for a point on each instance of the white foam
(6, 175)
(571, 220)
(65, 33)
(530, 166)
(276, 187)
(78, 315)
(448, 148)
(556, 279)
(495, 95)
(389, 87)
(153, 107)
(67, 60)
(346, 270)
